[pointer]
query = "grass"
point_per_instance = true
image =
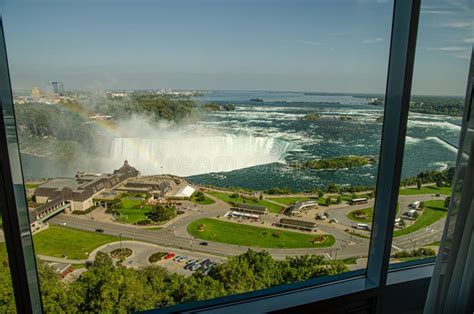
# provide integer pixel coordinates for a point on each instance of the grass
(206, 201)
(274, 208)
(289, 200)
(356, 234)
(350, 260)
(75, 244)
(433, 211)
(348, 197)
(411, 258)
(129, 214)
(153, 228)
(435, 243)
(432, 189)
(368, 214)
(240, 234)
(32, 185)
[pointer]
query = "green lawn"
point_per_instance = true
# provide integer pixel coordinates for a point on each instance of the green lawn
(359, 235)
(367, 211)
(60, 241)
(432, 189)
(433, 211)
(435, 243)
(274, 208)
(240, 234)
(131, 215)
(32, 185)
(206, 201)
(289, 200)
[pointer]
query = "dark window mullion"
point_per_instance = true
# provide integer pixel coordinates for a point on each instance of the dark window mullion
(397, 100)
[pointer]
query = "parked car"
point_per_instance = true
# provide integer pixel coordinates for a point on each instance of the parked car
(99, 230)
(62, 223)
(334, 220)
(170, 255)
(204, 243)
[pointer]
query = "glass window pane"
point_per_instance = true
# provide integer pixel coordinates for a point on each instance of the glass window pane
(7, 298)
(182, 151)
(434, 125)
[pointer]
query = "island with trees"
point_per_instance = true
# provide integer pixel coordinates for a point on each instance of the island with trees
(335, 163)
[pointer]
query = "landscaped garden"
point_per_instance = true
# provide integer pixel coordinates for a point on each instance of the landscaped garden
(201, 198)
(432, 212)
(75, 244)
(240, 234)
(133, 210)
(237, 198)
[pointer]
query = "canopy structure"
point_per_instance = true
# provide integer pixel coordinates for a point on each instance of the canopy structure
(185, 191)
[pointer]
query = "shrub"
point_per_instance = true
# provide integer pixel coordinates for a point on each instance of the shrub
(144, 222)
(162, 213)
(201, 227)
(155, 257)
(234, 195)
(121, 253)
(276, 234)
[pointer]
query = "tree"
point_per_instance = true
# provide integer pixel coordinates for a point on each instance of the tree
(446, 201)
(332, 188)
(338, 200)
(328, 201)
(162, 213)
(418, 184)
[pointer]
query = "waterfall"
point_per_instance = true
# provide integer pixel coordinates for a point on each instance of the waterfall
(186, 156)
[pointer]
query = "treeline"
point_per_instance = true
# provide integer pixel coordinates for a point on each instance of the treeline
(162, 107)
(55, 121)
(452, 106)
(335, 163)
(440, 177)
(217, 107)
(106, 288)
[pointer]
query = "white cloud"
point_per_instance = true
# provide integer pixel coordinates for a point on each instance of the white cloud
(469, 40)
(310, 42)
(372, 41)
(459, 24)
(439, 12)
(448, 49)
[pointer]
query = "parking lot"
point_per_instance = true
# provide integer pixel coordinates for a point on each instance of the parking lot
(170, 261)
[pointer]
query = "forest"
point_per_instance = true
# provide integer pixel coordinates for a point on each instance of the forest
(118, 289)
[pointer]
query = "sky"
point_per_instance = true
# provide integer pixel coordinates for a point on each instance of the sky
(292, 45)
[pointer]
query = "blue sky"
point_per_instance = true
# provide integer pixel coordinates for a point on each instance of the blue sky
(332, 46)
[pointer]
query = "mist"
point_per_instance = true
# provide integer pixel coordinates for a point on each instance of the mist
(190, 149)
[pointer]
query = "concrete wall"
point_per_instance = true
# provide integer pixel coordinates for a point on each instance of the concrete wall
(81, 205)
(41, 199)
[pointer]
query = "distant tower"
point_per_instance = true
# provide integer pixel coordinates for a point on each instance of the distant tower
(57, 87)
(35, 92)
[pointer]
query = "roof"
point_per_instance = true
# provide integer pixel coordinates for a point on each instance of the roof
(84, 185)
(359, 199)
(185, 191)
(252, 207)
(296, 222)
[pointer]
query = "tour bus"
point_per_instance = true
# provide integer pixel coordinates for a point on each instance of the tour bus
(357, 201)
(363, 227)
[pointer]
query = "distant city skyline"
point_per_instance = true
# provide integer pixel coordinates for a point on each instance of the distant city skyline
(319, 46)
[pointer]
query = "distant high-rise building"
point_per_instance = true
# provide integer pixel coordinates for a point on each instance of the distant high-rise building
(57, 87)
(35, 92)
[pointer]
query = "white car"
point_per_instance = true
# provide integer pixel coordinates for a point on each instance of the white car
(62, 223)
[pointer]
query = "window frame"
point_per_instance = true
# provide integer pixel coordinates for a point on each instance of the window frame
(378, 274)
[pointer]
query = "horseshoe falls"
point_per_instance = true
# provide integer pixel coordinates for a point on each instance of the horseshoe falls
(187, 156)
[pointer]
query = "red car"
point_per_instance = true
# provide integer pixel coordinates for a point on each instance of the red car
(170, 255)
